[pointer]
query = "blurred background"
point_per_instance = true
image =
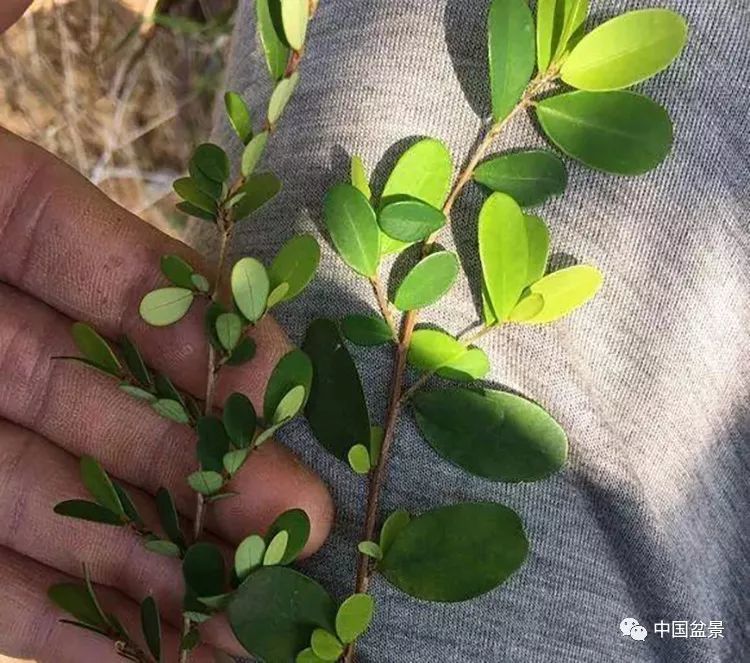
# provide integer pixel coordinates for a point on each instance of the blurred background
(122, 90)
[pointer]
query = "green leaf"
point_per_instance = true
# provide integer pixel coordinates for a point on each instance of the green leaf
(212, 161)
(359, 177)
(503, 249)
(200, 282)
(280, 97)
(308, 656)
(276, 549)
(151, 626)
(229, 330)
(205, 483)
(76, 601)
(240, 419)
(276, 51)
(366, 330)
(618, 132)
(128, 506)
(234, 460)
(188, 189)
(472, 365)
(392, 526)
(557, 21)
(530, 177)
(626, 50)
(277, 295)
(275, 610)
(100, 486)
(168, 517)
(359, 459)
(353, 227)
(256, 192)
(336, 408)
(83, 510)
(190, 640)
(203, 570)
(292, 370)
(492, 434)
(427, 282)
(249, 555)
(212, 189)
(537, 236)
(371, 549)
(239, 116)
(423, 172)
(325, 645)
(252, 153)
(166, 389)
(134, 362)
(166, 306)
(457, 552)
(294, 17)
(161, 547)
(354, 616)
(243, 353)
(296, 523)
(289, 405)
(94, 348)
(250, 287)
(564, 291)
(192, 210)
(137, 392)
(171, 410)
(510, 29)
(213, 443)
(410, 220)
(295, 265)
(434, 350)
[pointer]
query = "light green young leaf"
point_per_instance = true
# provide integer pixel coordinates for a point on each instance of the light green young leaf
(166, 306)
(234, 460)
(564, 291)
(177, 270)
(353, 227)
(252, 153)
(366, 330)
(434, 350)
(280, 97)
(212, 161)
(296, 523)
(94, 348)
(277, 295)
(229, 330)
(528, 306)
(250, 287)
(307, 655)
(619, 132)
(510, 29)
(529, 177)
(276, 51)
(294, 17)
(354, 616)
(295, 264)
(537, 235)
(200, 282)
(100, 486)
(206, 482)
(162, 547)
(249, 555)
(359, 177)
(276, 549)
(290, 404)
(292, 370)
(239, 116)
(392, 526)
(410, 220)
(171, 409)
(240, 419)
(259, 189)
(626, 50)
(359, 459)
(503, 249)
(326, 645)
(427, 282)
(371, 549)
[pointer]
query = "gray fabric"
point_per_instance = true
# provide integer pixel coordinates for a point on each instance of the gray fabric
(649, 520)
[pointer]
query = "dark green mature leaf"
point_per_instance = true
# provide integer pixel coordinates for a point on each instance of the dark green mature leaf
(297, 525)
(212, 161)
(100, 486)
(77, 601)
(94, 348)
(427, 282)
(214, 190)
(280, 97)
(619, 132)
(366, 330)
(243, 353)
(353, 227)
(556, 23)
(166, 306)
(336, 408)
(530, 177)
(203, 570)
(197, 212)
(213, 443)
(257, 191)
(295, 265)
(503, 249)
(410, 220)
(275, 610)
(252, 153)
(151, 626)
(90, 511)
(492, 434)
(240, 419)
(393, 524)
(187, 188)
(131, 511)
(239, 116)
(276, 51)
(292, 370)
(177, 270)
(250, 287)
(354, 617)
(626, 50)
(510, 29)
(457, 552)
(168, 517)
(134, 362)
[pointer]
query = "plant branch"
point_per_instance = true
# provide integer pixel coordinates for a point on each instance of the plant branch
(382, 299)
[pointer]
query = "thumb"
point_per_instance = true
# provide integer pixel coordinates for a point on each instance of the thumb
(10, 12)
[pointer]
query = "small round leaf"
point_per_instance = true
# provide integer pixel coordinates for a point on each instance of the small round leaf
(249, 555)
(250, 287)
(240, 419)
(297, 525)
(427, 282)
(166, 306)
(359, 459)
(326, 645)
(354, 617)
(276, 549)
(410, 220)
(295, 264)
(280, 97)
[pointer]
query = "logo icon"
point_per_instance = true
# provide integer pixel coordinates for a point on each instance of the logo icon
(631, 627)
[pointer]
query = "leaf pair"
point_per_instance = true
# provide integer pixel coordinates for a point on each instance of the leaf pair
(352, 620)
(165, 306)
(206, 185)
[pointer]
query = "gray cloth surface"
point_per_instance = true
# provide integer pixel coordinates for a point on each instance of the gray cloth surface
(650, 518)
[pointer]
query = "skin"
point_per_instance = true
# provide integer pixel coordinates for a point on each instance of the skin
(68, 253)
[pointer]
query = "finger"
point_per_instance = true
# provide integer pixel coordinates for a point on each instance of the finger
(35, 475)
(86, 413)
(30, 626)
(10, 12)
(65, 243)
